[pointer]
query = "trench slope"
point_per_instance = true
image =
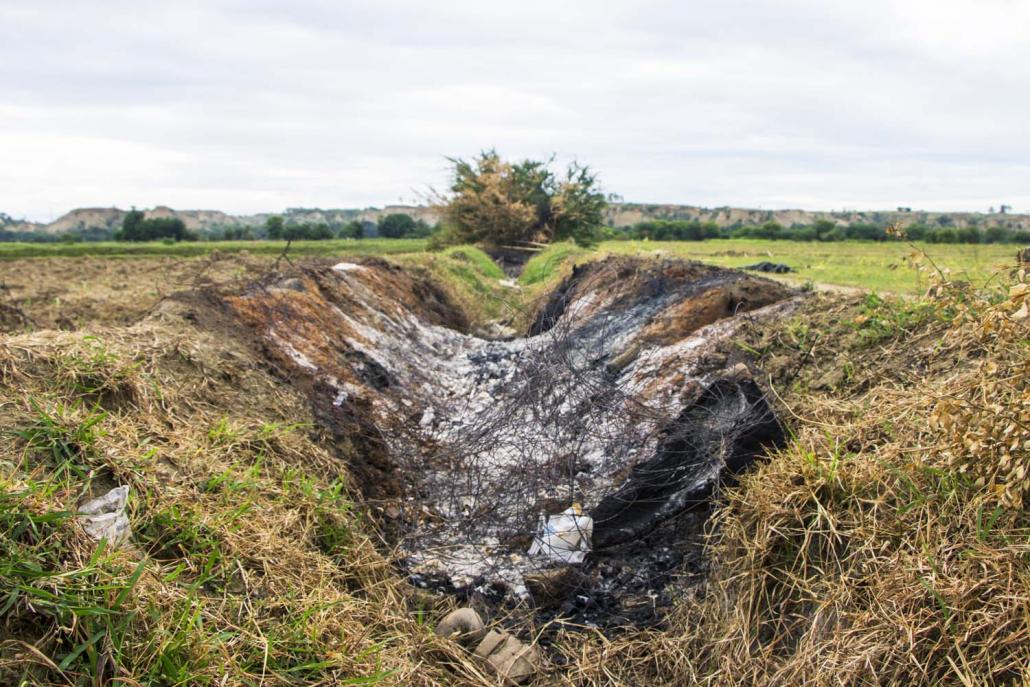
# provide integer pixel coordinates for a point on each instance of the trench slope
(620, 402)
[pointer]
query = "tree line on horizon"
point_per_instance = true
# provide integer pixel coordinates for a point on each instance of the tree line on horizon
(400, 225)
(820, 230)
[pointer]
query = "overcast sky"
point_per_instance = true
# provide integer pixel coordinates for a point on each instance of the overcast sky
(257, 105)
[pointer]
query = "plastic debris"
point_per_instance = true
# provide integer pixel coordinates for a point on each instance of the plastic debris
(105, 518)
(511, 659)
(565, 537)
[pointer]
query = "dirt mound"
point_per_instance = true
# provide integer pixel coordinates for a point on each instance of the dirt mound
(702, 293)
(884, 543)
(247, 563)
(324, 325)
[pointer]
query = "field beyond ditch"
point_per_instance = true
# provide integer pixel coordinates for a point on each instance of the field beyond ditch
(857, 264)
(877, 266)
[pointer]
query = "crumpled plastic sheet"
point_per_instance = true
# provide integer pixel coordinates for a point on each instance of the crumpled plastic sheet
(105, 518)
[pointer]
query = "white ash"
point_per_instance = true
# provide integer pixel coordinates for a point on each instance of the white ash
(505, 429)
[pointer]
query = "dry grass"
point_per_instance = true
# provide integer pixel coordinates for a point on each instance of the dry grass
(248, 564)
(888, 544)
(84, 292)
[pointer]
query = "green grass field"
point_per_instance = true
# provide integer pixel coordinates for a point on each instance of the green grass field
(869, 265)
(10, 251)
(859, 264)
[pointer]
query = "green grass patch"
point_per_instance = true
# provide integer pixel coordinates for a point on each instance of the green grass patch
(84, 601)
(883, 318)
(545, 265)
(472, 278)
(65, 437)
(877, 266)
(476, 257)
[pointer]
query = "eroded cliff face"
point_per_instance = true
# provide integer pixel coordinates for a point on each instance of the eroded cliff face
(620, 402)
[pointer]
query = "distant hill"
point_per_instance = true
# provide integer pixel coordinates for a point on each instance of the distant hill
(619, 215)
(82, 219)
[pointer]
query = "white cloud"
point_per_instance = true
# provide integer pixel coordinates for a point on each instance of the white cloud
(253, 106)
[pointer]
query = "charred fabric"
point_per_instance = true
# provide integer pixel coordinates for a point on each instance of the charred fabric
(568, 470)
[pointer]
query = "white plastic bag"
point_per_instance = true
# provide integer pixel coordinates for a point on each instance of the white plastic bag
(104, 517)
(564, 537)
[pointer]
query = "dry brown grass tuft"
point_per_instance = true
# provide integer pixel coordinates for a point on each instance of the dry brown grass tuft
(985, 416)
(248, 563)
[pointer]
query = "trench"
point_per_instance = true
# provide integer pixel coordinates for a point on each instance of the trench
(616, 416)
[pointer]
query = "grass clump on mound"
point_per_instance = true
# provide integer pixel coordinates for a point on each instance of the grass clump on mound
(889, 544)
(248, 563)
(475, 257)
(548, 264)
(472, 279)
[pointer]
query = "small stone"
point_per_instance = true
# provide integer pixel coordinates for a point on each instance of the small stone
(462, 625)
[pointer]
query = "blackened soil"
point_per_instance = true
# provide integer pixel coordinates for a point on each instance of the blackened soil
(630, 586)
(627, 587)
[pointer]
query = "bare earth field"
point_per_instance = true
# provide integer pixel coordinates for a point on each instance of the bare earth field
(72, 293)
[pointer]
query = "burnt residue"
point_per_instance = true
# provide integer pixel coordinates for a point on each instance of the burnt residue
(459, 444)
(358, 441)
(556, 303)
(647, 537)
(368, 370)
(714, 438)
(633, 584)
(657, 283)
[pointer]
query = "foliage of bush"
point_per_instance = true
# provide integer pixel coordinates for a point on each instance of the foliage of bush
(306, 231)
(355, 229)
(399, 225)
(496, 202)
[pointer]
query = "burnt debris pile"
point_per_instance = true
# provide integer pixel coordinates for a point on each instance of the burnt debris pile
(716, 436)
(568, 470)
